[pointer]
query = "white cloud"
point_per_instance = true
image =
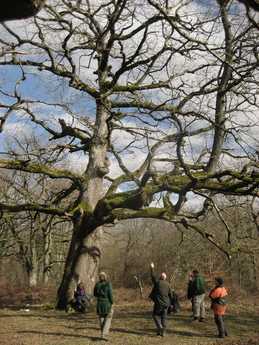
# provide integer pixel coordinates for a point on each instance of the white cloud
(194, 202)
(17, 129)
(76, 162)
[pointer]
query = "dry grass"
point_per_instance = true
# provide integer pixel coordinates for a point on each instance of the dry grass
(132, 325)
(16, 296)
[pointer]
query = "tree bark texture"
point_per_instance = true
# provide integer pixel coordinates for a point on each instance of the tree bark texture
(83, 257)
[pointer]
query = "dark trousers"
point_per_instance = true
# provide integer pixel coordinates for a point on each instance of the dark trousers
(159, 316)
(219, 320)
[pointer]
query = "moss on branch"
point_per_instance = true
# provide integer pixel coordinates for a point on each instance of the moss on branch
(144, 105)
(82, 208)
(35, 168)
(131, 200)
(32, 207)
(134, 202)
(139, 87)
(150, 212)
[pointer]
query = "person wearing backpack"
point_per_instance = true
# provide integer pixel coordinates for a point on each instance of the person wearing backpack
(196, 292)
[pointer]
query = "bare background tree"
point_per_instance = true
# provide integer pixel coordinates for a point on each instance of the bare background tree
(20, 9)
(177, 251)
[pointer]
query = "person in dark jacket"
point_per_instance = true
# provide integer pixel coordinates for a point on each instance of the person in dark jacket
(161, 296)
(196, 293)
(175, 304)
(82, 300)
(218, 305)
(189, 290)
(103, 293)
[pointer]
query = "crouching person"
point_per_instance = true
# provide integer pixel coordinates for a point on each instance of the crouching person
(218, 305)
(82, 299)
(161, 296)
(103, 293)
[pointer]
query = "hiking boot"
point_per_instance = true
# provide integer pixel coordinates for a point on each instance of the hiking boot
(104, 337)
(159, 331)
(163, 332)
(195, 319)
(202, 319)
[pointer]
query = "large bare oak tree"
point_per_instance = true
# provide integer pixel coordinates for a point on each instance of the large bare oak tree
(158, 100)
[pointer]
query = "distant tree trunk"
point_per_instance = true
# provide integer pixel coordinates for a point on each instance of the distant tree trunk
(140, 286)
(47, 238)
(31, 266)
(126, 265)
(255, 271)
(33, 277)
(239, 271)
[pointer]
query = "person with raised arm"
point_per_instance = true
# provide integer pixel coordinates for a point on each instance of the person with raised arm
(161, 296)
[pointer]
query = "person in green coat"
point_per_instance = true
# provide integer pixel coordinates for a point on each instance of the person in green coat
(196, 293)
(103, 293)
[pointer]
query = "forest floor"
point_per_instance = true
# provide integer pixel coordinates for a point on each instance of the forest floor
(132, 325)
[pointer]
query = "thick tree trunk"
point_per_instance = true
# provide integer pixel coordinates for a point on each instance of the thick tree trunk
(88, 262)
(80, 265)
(83, 256)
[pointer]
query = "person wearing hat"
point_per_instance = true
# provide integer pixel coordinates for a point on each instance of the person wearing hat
(161, 296)
(218, 305)
(103, 293)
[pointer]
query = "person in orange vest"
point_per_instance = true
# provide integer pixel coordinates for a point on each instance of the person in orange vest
(218, 304)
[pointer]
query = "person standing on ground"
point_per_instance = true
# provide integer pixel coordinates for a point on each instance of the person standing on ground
(103, 293)
(161, 296)
(218, 305)
(196, 292)
(189, 290)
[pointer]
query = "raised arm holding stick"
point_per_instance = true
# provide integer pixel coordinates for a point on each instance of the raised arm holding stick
(161, 296)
